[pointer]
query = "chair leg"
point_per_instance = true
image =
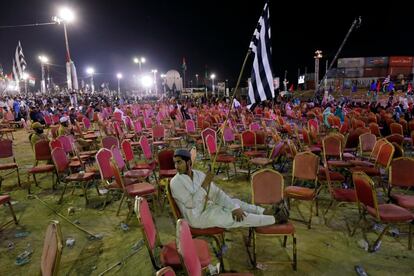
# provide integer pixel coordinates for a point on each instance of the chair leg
(18, 177)
(12, 212)
(294, 253)
(35, 181)
(63, 192)
(120, 204)
(327, 209)
(356, 225)
(310, 216)
(85, 192)
(284, 241)
(372, 248)
(254, 249)
(410, 238)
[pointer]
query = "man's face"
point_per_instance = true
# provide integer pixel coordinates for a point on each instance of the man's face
(180, 165)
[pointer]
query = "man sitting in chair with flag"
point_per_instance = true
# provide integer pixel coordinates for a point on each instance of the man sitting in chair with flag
(190, 189)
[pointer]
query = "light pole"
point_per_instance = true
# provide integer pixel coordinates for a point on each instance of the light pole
(196, 75)
(66, 16)
(154, 71)
(139, 60)
(212, 77)
(318, 55)
(90, 71)
(119, 77)
(43, 61)
(163, 76)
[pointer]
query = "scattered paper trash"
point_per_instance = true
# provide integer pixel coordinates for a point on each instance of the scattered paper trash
(103, 191)
(124, 226)
(76, 221)
(95, 237)
(214, 269)
(71, 211)
(138, 245)
(24, 257)
(70, 242)
(363, 244)
(22, 234)
(10, 245)
(360, 271)
(261, 266)
(377, 247)
(394, 232)
(378, 227)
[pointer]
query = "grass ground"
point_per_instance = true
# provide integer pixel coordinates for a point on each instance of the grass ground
(322, 250)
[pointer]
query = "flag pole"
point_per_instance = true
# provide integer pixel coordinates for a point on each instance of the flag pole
(225, 121)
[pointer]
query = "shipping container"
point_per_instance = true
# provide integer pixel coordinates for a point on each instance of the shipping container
(354, 72)
(379, 72)
(376, 61)
(351, 62)
(394, 71)
(336, 73)
(398, 61)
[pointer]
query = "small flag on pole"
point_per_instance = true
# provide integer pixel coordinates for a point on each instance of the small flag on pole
(261, 81)
(19, 63)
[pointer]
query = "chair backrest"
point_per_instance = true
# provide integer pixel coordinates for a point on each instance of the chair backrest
(158, 132)
(42, 150)
(248, 139)
(313, 125)
(127, 149)
(60, 160)
(396, 128)
(86, 123)
(211, 145)
(109, 141)
(148, 228)
(48, 120)
(260, 137)
(276, 151)
(103, 159)
(228, 135)
(128, 123)
(267, 187)
(117, 156)
(254, 126)
(138, 126)
(145, 147)
(165, 271)
(6, 148)
(66, 142)
(398, 150)
(187, 250)
(305, 166)
(166, 159)
(375, 129)
(332, 146)
(367, 142)
(377, 146)
(54, 131)
(117, 116)
(55, 144)
(395, 138)
(365, 190)
(208, 131)
(190, 126)
(385, 155)
(147, 123)
(119, 180)
(401, 170)
(52, 250)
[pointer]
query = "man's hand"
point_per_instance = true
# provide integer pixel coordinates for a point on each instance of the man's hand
(207, 180)
(238, 214)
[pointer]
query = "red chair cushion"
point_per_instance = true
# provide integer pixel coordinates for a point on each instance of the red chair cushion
(371, 171)
(335, 176)
(80, 177)
(169, 255)
(391, 213)
(206, 231)
(361, 163)
(8, 166)
(300, 192)
(261, 161)
(347, 195)
(405, 201)
(141, 173)
(168, 173)
(140, 189)
(339, 163)
(276, 229)
(225, 159)
(42, 169)
(4, 199)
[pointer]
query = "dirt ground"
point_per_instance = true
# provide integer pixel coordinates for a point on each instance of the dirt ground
(322, 250)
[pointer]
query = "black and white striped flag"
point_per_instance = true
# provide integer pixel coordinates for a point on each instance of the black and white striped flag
(19, 63)
(261, 82)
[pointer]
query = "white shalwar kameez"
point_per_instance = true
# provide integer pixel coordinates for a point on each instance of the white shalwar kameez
(190, 198)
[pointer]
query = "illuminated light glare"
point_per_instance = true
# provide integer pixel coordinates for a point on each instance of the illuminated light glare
(90, 71)
(213, 76)
(43, 59)
(119, 76)
(66, 15)
(146, 81)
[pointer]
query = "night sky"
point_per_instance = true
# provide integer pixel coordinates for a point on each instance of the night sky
(209, 34)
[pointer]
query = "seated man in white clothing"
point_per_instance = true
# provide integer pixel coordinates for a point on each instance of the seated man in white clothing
(189, 189)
